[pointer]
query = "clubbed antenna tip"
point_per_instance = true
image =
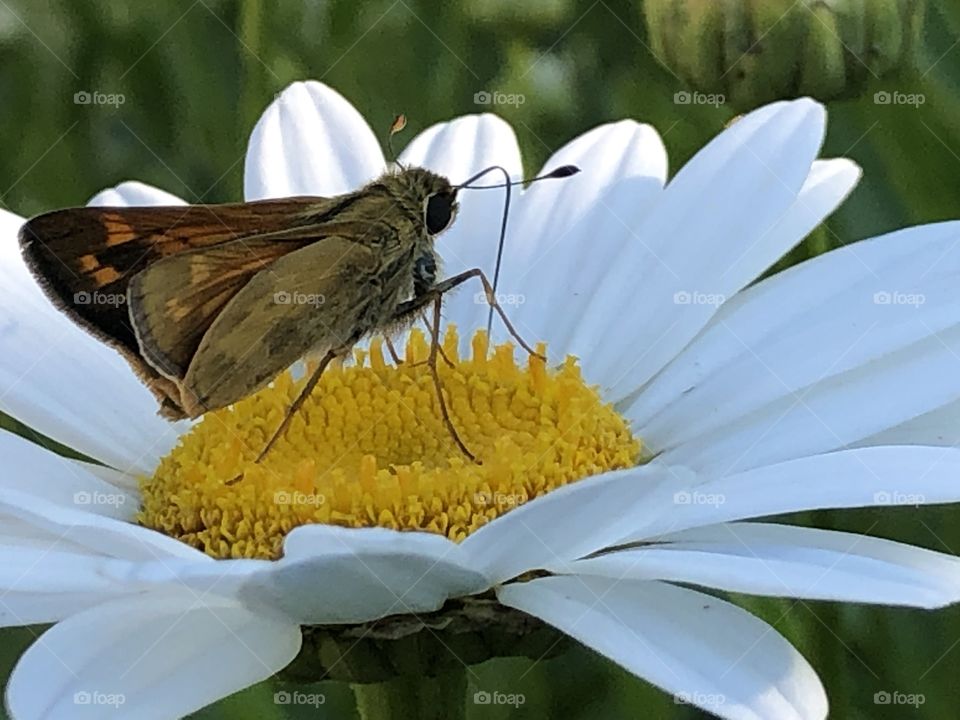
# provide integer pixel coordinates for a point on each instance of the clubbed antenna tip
(398, 124)
(562, 172)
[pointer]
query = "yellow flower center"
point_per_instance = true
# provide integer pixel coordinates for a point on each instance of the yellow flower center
(369, 448)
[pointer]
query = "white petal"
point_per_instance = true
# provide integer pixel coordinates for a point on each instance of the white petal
(464, 146)
(59, 380)
(328, 575)
(117, 479)
(829, 183)
(788, 561)
(895, 475)
(32, 469)
(703, 650)
(457, 150)
(133, 193)
(46, 582)
(708, 236)
(761, 386)
(566, 230)
(30, 518)
(569, 522)
(9, 221)
(937, 427)
(310, 141)
(157, 656)
(339, 575)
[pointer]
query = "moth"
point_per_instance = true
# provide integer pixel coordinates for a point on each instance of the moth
(209, 303)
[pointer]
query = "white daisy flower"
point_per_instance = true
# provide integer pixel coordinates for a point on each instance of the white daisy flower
(705, 400)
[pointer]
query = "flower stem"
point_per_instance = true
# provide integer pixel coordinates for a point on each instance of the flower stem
(414, 696)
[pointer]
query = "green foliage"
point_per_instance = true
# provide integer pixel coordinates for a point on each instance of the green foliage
(196, 75)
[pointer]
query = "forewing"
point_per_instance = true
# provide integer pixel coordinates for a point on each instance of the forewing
(313, 299)
(174, 301)
(84, 258)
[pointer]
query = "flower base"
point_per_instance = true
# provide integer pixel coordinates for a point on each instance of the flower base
(464, 632)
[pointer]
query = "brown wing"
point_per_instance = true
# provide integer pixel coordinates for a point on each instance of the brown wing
(314, 299)
(175, 300)
(84, 258)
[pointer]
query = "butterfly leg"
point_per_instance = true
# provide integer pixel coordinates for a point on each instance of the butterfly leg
(397, 360)
(395, 356)
(450, 283)
(297, 404)
(293, 409)
(432, 364)
(434, 295)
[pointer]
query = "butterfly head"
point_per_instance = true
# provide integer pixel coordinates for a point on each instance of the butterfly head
(428, 195)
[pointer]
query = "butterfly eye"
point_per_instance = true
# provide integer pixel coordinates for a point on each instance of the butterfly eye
(439, 212)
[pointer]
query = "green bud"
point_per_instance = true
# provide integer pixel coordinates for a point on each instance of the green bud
(753, 51)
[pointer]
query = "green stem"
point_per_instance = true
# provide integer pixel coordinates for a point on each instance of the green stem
(414, 696)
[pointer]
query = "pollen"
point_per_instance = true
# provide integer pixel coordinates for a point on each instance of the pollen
(369, 448)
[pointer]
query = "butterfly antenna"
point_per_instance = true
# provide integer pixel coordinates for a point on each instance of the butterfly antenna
(398, 124)
(560, 172)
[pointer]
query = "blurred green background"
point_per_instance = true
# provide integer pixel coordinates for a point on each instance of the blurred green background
(196, 74)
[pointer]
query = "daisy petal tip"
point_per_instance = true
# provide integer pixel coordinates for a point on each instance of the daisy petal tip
(133, 193)
(310, 141)
(465, 145)
(304, 89)
(812, 114)
(843, 171)
(487, 117)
